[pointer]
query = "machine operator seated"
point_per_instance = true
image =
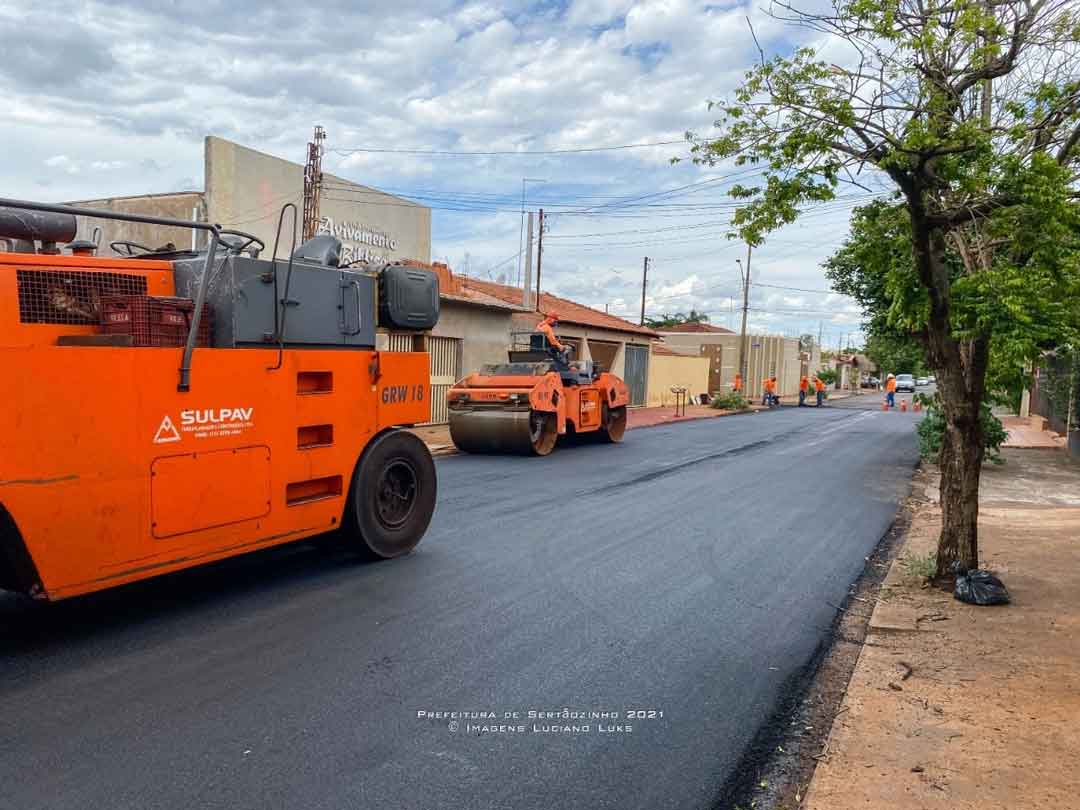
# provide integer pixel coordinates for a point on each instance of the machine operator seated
(559, 351)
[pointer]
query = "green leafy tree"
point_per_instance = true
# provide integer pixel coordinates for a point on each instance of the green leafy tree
(896, 355)
(969, 110)
(693, 316)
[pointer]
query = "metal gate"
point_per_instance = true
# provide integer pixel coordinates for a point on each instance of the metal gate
(444, 355)
(636, 372)
(715, 353)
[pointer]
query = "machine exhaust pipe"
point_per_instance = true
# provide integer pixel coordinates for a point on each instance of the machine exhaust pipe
(43, 226)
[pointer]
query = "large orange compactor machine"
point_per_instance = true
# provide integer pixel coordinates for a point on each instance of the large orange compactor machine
(525, 405)
(167, 408)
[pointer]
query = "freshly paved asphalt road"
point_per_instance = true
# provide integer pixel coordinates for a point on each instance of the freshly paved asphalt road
(687, 571)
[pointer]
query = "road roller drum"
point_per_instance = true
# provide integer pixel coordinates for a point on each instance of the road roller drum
(524, 406)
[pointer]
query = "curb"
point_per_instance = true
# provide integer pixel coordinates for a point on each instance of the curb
(697, 418)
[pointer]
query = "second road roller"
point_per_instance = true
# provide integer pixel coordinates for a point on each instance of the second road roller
(524, 405)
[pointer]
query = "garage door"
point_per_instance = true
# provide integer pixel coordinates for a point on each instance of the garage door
(636, 372)
(445, 364)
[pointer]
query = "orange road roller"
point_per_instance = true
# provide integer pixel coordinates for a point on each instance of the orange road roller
(165, 408)
(525, 405)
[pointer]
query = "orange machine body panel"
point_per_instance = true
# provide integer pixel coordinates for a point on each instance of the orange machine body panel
(578, 408)
(111, 475)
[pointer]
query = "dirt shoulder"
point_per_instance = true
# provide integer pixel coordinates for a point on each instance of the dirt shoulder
(957, 706)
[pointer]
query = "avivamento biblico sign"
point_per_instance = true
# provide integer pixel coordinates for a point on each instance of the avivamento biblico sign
(359, 242)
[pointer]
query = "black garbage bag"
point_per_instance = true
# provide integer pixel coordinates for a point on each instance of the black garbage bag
(978, 587)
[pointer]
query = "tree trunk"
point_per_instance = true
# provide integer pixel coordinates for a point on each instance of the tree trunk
(961, 466)
(961, 380)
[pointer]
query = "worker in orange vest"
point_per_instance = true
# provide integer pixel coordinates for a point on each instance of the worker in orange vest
(769, 397)
(737, 387)
(819, 390)
(890, 390)
(555, 346)
(804, 389)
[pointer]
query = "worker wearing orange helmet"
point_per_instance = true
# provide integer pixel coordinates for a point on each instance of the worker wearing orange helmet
(546, 328)
(804, 389)
(819, 390)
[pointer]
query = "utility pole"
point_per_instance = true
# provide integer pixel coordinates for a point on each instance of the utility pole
(313, 183)
(526, 289)
(524, 180)
(644, 281)
(745, 306)
(539, 257)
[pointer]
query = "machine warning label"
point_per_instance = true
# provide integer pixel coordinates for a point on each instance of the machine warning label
(208, 423)
(167, 432)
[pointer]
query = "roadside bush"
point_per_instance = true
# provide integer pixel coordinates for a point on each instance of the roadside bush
(920, 566)
(931, 431)
(731, 401)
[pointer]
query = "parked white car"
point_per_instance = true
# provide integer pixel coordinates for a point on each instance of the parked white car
(905, 382)
(922, 381)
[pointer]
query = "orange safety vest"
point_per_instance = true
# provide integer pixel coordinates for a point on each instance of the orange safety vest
(770, 386)
(890, 384)
(818, 385)
(804, 385)
(545, 329)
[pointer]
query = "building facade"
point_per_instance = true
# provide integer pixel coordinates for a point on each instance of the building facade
(246, 189)
(766, 355)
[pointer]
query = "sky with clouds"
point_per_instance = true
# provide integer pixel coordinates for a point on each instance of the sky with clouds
(111, 98)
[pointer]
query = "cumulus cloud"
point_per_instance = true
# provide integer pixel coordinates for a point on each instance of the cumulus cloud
(112, 97)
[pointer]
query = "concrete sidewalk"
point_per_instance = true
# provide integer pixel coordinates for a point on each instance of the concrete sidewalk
(957, 706)
(1030, 433)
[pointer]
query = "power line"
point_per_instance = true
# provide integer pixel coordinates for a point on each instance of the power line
(796, 289)
(454, 153)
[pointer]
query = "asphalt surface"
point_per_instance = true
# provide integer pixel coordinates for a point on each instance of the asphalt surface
(688, 572)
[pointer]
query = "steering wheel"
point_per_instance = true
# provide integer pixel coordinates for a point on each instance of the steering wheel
(246, 239)
(125, 248)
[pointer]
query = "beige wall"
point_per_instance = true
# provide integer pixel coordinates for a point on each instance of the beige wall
(766, 355)
(185, 205)
(245, 189)
(485, 333)
(667, 370)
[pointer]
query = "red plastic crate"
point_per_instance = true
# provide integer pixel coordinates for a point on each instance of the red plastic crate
(154, 320)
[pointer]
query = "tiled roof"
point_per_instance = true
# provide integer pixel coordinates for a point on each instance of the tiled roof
(569, 311)
(695, 327)
(453, 288)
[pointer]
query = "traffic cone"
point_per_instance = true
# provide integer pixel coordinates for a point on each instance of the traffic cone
(885, 405)
(903, 405)
(917, 407)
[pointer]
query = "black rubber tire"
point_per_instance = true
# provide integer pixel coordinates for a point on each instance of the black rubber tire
(392, 497)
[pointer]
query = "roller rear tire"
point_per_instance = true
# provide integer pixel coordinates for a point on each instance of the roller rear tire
(614, 426)
(392, 497)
